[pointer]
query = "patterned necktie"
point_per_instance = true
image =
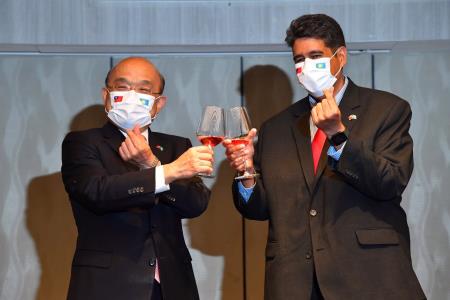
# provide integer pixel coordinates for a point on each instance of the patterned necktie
(316, 147)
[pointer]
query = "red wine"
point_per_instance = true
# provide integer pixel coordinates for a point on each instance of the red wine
(211, 140)
(239, 141)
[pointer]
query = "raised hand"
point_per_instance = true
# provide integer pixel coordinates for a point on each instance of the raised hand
(326, 114)
(195, 160)
(136, 150)
(240, 155)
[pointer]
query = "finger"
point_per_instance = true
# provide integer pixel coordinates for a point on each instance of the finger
(137, 129)
(205, 156)
(325, 106)
(204, 170)
(237, 154)
(251, 134)
(202, 149)
(122, 154)
(130, 147)
(329, 94)
(226, 142)
(235, 148)
(314, 115)
(125, 151)
(136, 137)
(239, 165)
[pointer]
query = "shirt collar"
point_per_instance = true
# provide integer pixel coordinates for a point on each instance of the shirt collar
(338, 96)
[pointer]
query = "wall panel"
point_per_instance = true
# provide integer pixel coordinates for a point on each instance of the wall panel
(42, 98)
(111, 23)
(45, 96)
(423, 79)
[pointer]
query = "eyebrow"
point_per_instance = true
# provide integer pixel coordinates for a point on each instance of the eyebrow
(309, 54)
(122, 79)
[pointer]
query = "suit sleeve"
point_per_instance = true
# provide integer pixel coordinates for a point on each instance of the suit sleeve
(382, 171)
(256, 207)
(87, 181)
(188, 197)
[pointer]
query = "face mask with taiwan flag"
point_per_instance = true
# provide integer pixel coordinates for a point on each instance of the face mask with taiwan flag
(315, 75)
(129, 108)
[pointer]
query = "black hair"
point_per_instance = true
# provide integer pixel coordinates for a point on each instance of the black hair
(318, 26)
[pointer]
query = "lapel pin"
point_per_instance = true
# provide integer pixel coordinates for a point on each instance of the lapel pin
(159, 147)
(352, 117)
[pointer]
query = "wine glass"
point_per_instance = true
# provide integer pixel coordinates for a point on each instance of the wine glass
(211, 129)
(237, 128)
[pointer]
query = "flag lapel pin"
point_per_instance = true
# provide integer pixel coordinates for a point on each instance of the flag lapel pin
(352, 117)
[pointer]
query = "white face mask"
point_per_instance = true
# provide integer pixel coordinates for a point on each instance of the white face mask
(129, 108)
(315, 75)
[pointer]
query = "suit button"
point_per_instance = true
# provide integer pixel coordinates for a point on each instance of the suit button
(152, 262)
(308, 255)
(313, 212)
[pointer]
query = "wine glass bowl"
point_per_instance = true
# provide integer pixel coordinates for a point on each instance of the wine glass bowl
(211, 129)
(237, 128)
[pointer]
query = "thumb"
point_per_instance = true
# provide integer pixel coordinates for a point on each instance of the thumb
(137, 129)
(251, 134)
(329, 94)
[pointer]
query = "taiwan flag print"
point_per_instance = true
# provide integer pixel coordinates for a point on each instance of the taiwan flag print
(118, 99)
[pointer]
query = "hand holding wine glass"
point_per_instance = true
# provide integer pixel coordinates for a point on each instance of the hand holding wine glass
(211, 130)
(239, 143)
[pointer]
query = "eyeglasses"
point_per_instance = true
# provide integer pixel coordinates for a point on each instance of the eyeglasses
(139, 88)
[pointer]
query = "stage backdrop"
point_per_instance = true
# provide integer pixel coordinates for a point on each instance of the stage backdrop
(45, 96)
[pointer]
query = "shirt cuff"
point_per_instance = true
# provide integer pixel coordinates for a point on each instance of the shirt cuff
(245, 192)
(160, 182)
(336, 154)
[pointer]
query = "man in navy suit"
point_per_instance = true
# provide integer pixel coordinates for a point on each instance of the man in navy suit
(130, 188)
(332, 168)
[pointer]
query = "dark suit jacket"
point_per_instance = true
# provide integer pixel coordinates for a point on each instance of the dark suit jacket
(122, 225)
(346, 222)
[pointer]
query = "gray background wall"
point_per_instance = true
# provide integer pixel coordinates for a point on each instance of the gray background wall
(53, 59)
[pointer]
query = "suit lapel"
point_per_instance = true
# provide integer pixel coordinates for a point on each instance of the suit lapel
(350, 106)
(302, 136)
(114, 138)
(159, 147)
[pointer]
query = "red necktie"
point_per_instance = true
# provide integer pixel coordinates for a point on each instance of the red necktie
(316, 147)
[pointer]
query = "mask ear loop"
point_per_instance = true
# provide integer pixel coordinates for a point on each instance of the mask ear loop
(109, 95)
(156, 114)
(340, 69)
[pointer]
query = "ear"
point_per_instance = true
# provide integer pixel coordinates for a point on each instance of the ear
(342, 56)
(159, 104)
(106, 99)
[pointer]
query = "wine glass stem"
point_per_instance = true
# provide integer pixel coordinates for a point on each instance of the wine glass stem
(211, 147)
(245, 166)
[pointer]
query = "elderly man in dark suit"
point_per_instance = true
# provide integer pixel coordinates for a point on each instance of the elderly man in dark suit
(332, 168)
(130, 188)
